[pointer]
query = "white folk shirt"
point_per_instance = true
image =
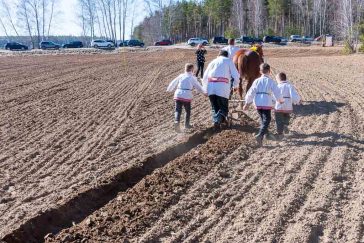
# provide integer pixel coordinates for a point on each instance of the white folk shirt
(261, 93)
(290, 97)
(184, 84)
(216, 80)
(231, 50)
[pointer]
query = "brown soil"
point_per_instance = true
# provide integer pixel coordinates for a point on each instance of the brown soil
(88, 139)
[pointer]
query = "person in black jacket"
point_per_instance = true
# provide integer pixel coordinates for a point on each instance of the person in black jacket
(200, 56)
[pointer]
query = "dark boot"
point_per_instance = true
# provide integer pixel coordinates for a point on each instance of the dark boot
(259, 139)
(217, 127)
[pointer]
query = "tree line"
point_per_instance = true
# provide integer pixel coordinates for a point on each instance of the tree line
(180, 20)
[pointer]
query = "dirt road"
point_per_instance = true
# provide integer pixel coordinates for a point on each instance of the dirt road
(71, 127)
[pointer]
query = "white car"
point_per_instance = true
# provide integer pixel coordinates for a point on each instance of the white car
(102, 44)
(295, 38)
(283, 39)
(197, 41)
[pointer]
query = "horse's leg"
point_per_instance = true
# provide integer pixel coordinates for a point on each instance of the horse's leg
(240, 92)
(240, 88)
(249, 84)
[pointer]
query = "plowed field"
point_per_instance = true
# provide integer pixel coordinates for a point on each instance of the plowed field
(88, 154)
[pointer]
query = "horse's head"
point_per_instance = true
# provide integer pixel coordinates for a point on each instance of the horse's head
(258, 48)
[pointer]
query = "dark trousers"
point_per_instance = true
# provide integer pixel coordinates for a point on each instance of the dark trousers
(200, 67)
(265, 118)
(220, 108)
(178, 111)
(282, 120)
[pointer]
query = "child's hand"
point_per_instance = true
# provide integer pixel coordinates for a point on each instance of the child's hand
(246, 107)
(205, 94)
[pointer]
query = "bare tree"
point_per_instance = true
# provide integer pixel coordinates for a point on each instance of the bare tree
(156, 5)
(51, 16)
(5, 6)
(24, 14)
(258, 17)
(238, 8)
(4, 28)
(35, 6)
(125, 10)
(132, 17)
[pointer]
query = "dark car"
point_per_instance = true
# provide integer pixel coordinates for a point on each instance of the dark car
(44, 45)
(163, 43)
(15, 46)
(219, 40)
(247, 40)
(135, 43)
(272, 39)
(73, 44)
(123, 43)
(257, 40)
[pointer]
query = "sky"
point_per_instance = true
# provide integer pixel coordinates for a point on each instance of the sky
(66, 22)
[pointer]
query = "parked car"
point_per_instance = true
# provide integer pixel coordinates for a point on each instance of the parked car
(122, 43)
(196, 41)
(135, 43)
(257, 40)
(112, 41)
(73, 44)
(295, 38)
(271, 39)
(247, 39)
(15, 46)
(250, 40)
(44, 45)
(307, 39)
(163, 43)
(219, 40)
(283, 39)
(102, 44)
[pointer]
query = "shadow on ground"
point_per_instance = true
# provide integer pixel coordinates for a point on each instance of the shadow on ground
(309, 108)
(330, 139)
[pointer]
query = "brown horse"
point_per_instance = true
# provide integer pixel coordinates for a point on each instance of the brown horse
(247, 61)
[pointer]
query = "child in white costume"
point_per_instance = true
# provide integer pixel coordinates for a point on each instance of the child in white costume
(261, 93)
(183, 96)
(283, 110)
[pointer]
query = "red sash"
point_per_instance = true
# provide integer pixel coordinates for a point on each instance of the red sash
(219, 80)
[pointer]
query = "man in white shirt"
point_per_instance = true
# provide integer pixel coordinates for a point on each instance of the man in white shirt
(216, 82)
(231, 48)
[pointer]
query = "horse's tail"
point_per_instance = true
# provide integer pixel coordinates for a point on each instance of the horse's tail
(236, 57)
(243, 65)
